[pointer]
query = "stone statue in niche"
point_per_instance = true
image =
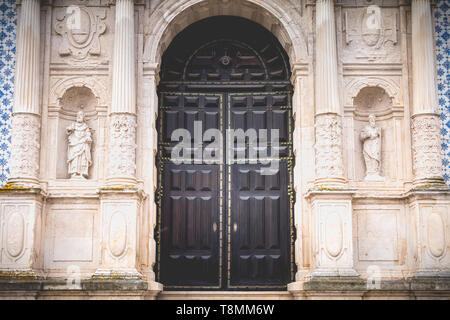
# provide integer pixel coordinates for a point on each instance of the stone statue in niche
(371, 139)
(79, 148)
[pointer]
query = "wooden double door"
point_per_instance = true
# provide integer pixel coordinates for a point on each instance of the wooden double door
(225, 224)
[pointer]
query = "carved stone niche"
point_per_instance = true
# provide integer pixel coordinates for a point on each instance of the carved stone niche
(76, 99)
(374, 100)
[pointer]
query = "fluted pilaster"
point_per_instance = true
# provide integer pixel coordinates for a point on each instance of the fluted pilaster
(122, 120)
(328, 146)
(427, 162)
(124, 77)
(25, 139)
(327, 97)
(26, 91)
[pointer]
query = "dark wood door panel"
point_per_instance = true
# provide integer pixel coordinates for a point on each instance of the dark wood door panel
(182, 110)
(267, 111)
(189, 226)
(259, 227)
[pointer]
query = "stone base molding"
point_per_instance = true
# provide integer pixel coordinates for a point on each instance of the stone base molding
(122, 149)
(359, 289)
(20, 229)
(328, 150)
(85, 289)
(25, 150)
(426, 149)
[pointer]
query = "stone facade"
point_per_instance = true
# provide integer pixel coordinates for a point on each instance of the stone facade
(355, 238)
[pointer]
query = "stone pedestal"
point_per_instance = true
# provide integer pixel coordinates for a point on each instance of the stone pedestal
(332, 234)
(332, 241)
(430, 217)
(120, 212)
(20, 229)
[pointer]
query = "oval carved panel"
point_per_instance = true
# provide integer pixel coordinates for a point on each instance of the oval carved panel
(333, 234)
(81, 36)
(436, 234)
(117, 234)
(371, 28)
(15, 232)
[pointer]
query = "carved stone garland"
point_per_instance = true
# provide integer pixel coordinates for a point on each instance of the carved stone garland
(328, 146)
(122, 145)
(25, 137)
(426, 146)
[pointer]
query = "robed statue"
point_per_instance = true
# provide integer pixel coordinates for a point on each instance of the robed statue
(79, 148)
(371, 139)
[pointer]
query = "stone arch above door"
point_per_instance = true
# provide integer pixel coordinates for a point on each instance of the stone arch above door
(172, 16)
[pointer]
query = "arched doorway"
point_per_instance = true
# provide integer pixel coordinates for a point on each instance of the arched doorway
(225, 224)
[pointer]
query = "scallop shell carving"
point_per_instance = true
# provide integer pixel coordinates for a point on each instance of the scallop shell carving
(333, 234)
(436, 234)
(15, 234)
(117, 234)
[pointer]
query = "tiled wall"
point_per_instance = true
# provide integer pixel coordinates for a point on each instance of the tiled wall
(8, 22)
(442, 30)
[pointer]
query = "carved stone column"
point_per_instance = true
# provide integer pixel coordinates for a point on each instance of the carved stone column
(25, 133)
(429, 209)
(122, 124)
(333, 208)
(328, 146)
(22, 200)
(121, 200)
(331, 203)
(426, 141)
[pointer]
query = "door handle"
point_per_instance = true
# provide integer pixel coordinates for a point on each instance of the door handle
(235, 227)
(214, 227)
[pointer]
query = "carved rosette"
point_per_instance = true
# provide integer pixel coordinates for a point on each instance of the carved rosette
(25, 146)
(426, 146)
(122, 147)
(328, 147)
